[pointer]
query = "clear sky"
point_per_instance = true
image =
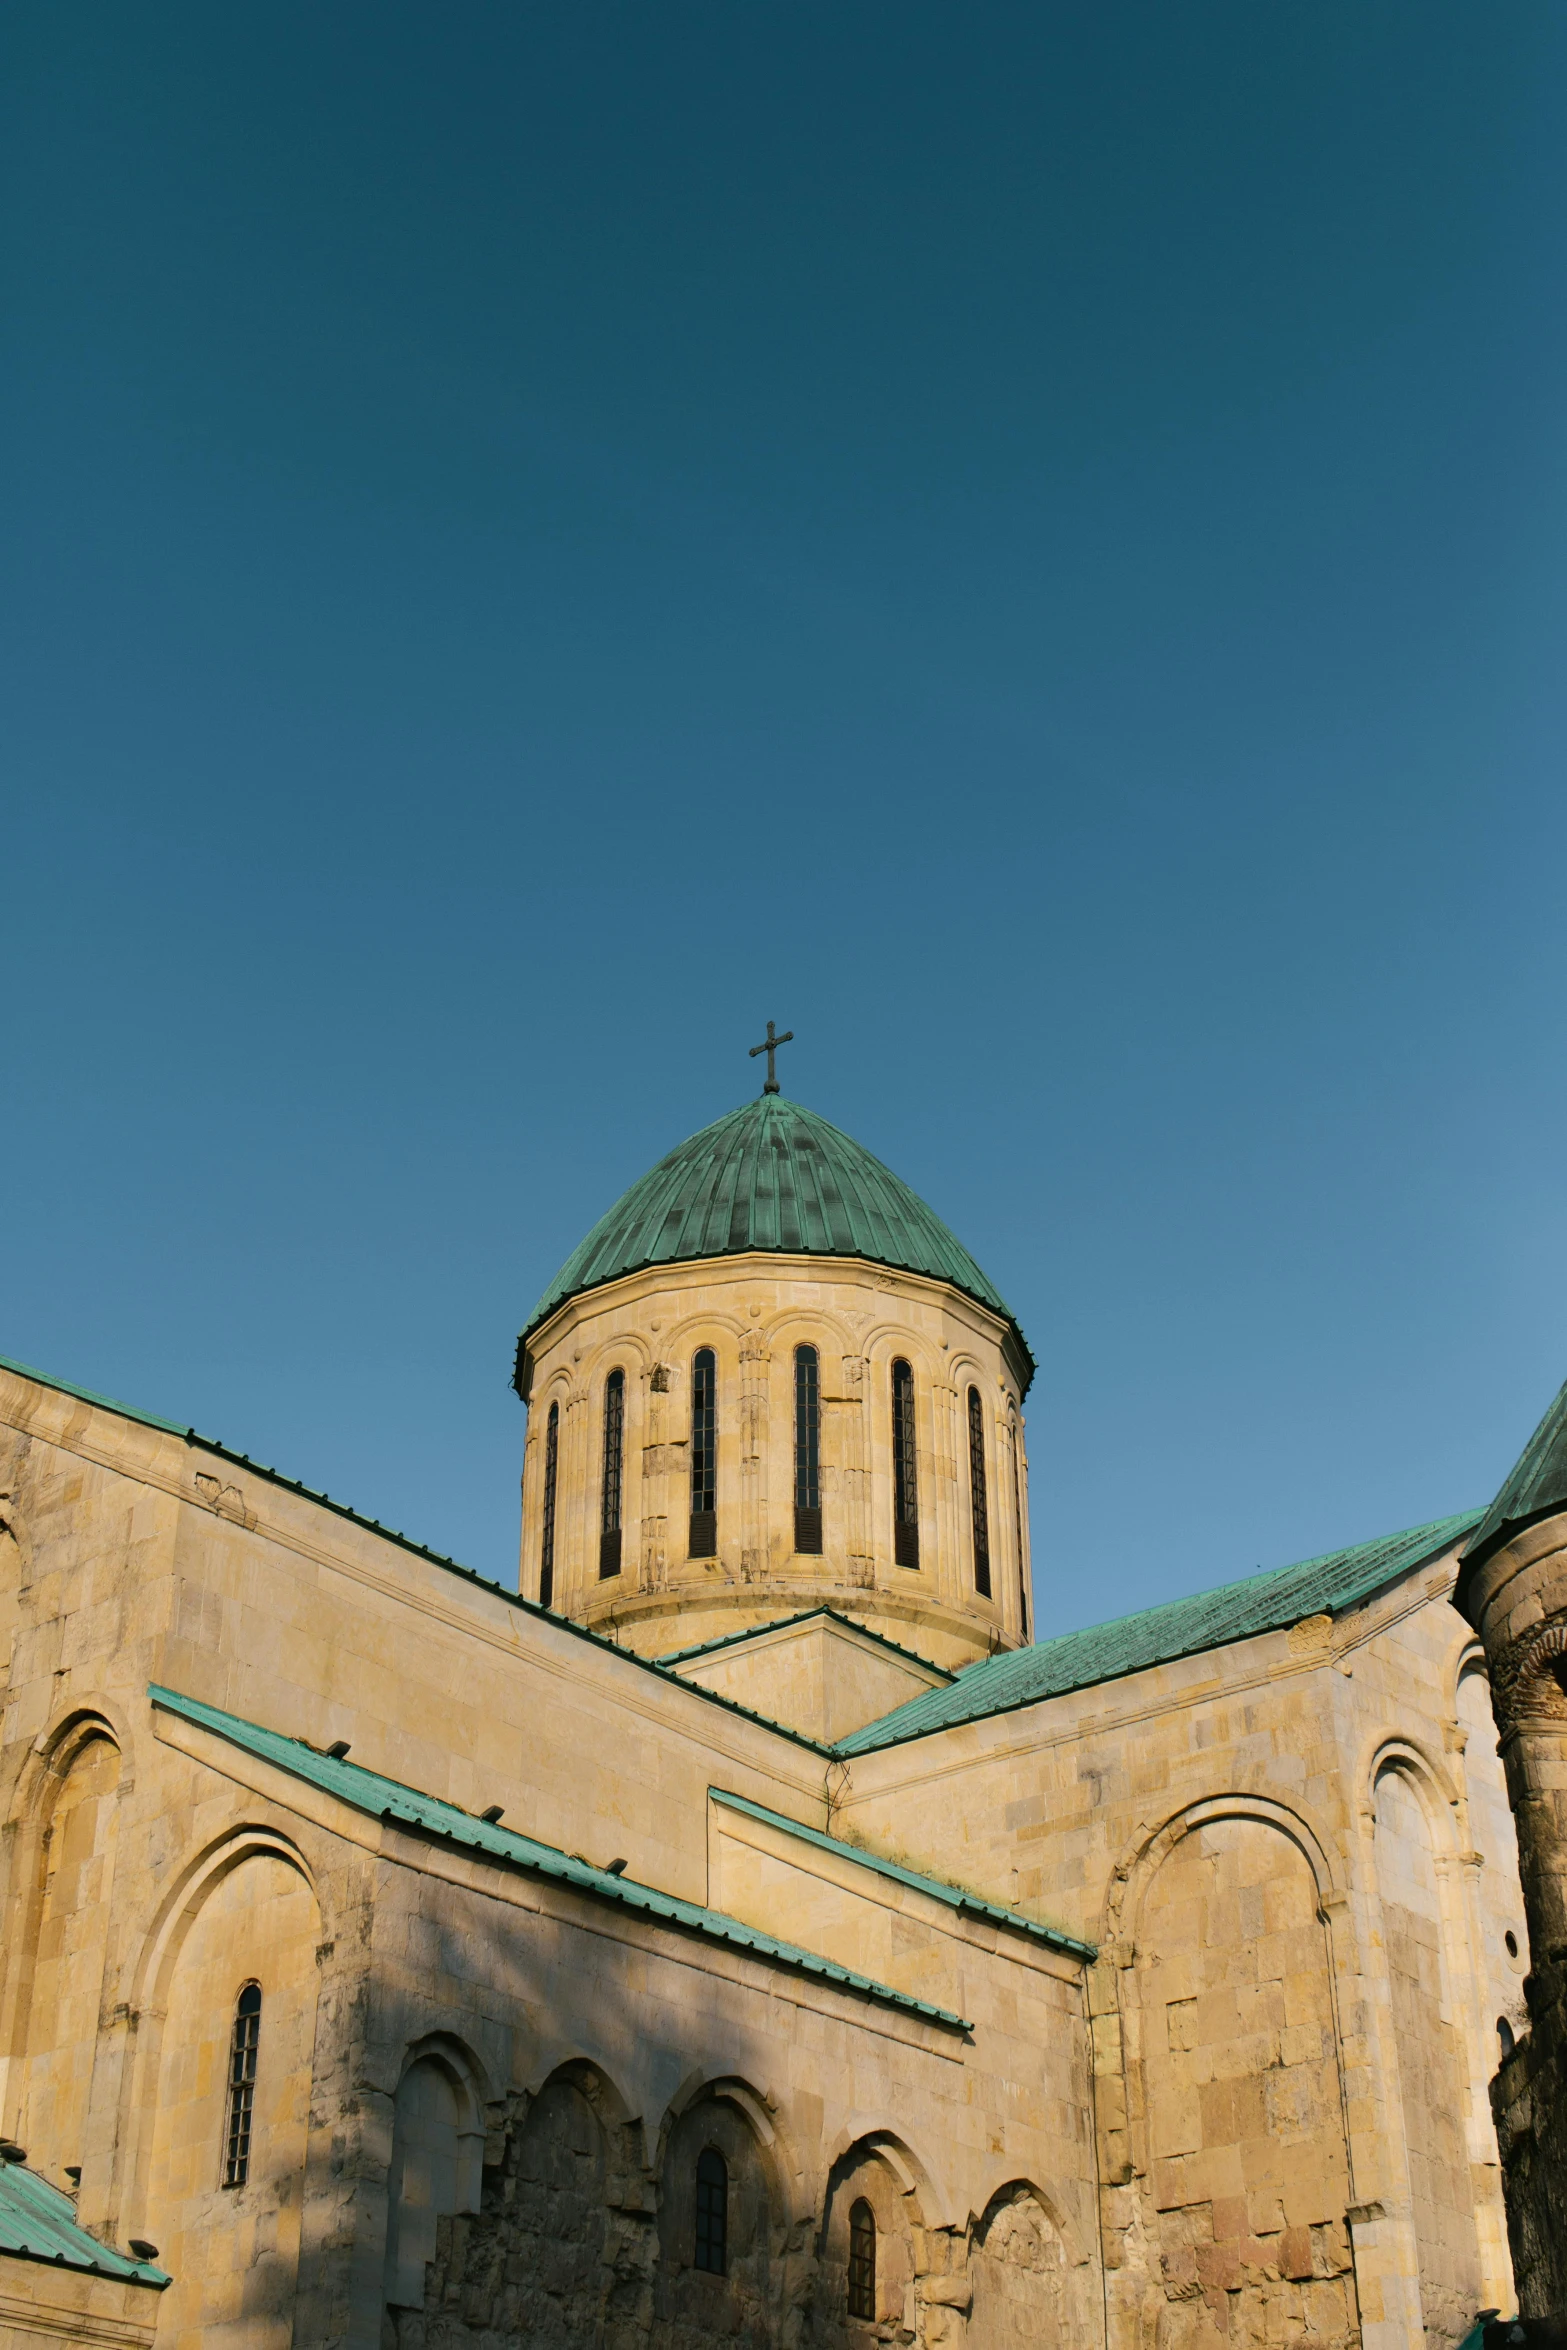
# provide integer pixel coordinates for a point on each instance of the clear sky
(1026, 543)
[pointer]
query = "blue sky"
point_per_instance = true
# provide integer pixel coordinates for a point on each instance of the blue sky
(1025, 543)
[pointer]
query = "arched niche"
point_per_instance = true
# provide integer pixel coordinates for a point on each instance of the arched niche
(64, 1945)
(879, 2176)
(531, 2235)
(737, 2298)
(250, 1918)
(1023, 2290)
(437, 2164)
(1414, 1849)
(1239, 2129)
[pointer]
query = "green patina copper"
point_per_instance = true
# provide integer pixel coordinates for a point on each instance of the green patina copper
(956, 1897)
(408, 1807)
(773, 1177)
(38, 2222)
(1159, 1635)
(1536, 1488)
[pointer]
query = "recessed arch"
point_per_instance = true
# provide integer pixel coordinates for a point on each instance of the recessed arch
(64, 1913)
(722, 2210)
(1027, 2286)
(1132, 1873)
(1226, 1921)
(1414, 1843)
(245, 1915)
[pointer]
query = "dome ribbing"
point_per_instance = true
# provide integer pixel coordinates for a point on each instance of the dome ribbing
(772, 1176)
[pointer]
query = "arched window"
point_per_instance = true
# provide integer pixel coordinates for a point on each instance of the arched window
(704, 1456)
(614, 1472)
(1507, 2038)
(712, 2211)
(807, 1451)
(979, 1500)
(1017, 1520)
(547, 1539)
(862, 2261)
(243, 2048)
(905, 1491)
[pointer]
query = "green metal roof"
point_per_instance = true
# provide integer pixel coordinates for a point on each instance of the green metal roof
(389, 1799)
(1536, 1487)
(1158, 1635)
(772, 1177)
(38, 2222)
(955, 1896)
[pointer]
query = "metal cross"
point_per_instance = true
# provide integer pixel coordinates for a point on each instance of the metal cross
(770, 1048)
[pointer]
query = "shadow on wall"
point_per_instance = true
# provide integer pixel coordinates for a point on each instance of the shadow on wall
(575, 2214)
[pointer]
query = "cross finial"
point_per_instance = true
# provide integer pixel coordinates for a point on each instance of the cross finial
(770, 1047)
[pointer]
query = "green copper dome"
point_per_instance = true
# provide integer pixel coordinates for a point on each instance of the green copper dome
(770, 1176)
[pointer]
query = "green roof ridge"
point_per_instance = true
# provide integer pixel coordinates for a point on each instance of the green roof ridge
(1174, 1628)
(38, 2222)
(1535, 1487)
(955, 1896)
(770, 1177)
(804, 1615)
(389, 1799)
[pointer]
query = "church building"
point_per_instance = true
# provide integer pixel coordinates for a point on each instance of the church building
(753, 1928)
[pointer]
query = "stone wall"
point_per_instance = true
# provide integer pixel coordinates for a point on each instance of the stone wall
(1280, 2007)
(1515, 1592)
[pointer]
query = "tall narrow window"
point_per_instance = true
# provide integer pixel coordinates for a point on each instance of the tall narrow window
(614, 1472)
(704, 1456)
(242, 2086)
(807, 1451)
(862, 2262)
(905, 1490)
(547, 1539)
(712, 2212)
(1017, 1518)
(979, 1499)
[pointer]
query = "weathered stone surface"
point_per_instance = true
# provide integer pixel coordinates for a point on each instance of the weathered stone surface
(1260, 2117)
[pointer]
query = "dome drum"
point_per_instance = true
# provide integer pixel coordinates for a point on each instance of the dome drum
(735, 1420)
(768, 1380)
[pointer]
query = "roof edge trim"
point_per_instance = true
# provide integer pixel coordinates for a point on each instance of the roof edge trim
(367, 1791)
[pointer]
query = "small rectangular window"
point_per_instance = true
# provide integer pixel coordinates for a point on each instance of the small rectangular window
(712, 2213)
(243, 2050)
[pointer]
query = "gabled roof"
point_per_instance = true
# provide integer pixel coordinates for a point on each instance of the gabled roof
(773, 1177)
(1536, 1488)
(953, 1896)
(1158, 1635)
(805, 1615)
(38, 2222)
(388, 1799)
